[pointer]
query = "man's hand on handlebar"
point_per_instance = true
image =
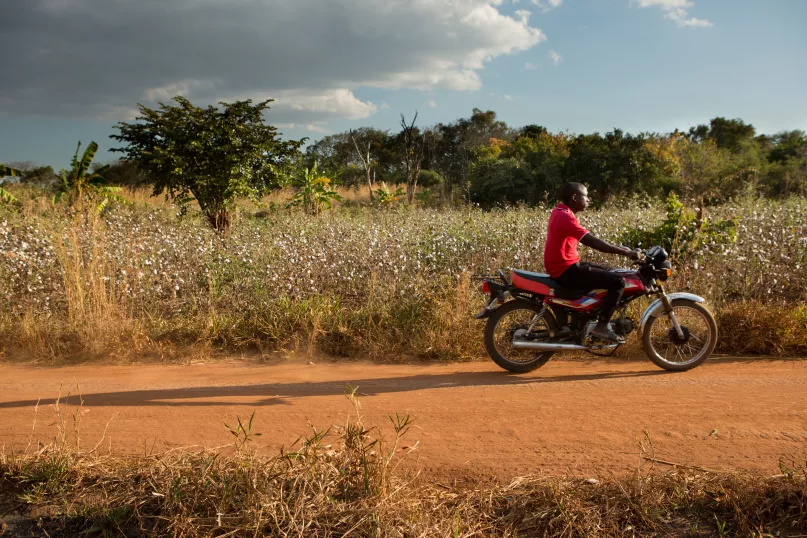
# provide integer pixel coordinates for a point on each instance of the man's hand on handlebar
(635, 254)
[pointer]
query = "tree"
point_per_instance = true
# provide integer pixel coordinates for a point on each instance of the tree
(213, 155)
(612, 165)
(457, 144)
(726, 134)
(40, 175)
(414, 144)
(81, 182)
(787, 170)
(532, 131)
(335, 155)
(32, 173)
(429, 179)
(788, 145)
(368, 142)
(494, 180)
(703, 170)
(125, 174)
(543, 156)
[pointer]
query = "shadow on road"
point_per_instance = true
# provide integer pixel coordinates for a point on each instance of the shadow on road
(278, 393)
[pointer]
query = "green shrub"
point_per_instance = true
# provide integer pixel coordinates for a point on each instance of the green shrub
(428, 179)
(683, 230)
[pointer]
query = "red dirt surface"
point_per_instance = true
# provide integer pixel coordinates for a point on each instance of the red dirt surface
(471, 420)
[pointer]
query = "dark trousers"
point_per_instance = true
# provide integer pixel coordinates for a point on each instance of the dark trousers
(590, 276)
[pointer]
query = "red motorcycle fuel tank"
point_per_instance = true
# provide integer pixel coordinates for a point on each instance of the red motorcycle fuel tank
(633, 283)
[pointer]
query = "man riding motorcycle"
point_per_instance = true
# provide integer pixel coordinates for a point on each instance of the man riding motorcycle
(562, 260)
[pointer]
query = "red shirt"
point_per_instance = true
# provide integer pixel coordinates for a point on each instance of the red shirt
(564, 232)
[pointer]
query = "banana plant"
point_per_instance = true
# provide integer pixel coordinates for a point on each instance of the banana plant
(80, 182)
(314, 192)
(8, 171)
(385, 197)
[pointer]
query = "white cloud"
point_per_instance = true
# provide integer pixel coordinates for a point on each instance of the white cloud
(680, 17)
(555, 57)
(316, 129)
(181, 87)
(431, 103)
(529, 66)
(508, 97)
(210, 50)
(524, 15)
(678, 11)
(340, 102)
(308, 106)
(547, 5)
(667, 4)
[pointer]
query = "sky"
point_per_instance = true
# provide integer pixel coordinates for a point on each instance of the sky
(74, 68)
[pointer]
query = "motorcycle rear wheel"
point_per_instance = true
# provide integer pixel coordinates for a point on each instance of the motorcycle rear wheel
(499, 330)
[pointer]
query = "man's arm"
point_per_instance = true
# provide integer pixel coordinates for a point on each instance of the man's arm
(604, 246)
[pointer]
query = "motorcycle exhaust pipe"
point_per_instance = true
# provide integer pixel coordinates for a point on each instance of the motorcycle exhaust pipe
(557, 346)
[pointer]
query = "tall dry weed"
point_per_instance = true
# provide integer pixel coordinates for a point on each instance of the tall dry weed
(754, 328)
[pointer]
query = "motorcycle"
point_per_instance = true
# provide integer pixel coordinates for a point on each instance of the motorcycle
(530, 317)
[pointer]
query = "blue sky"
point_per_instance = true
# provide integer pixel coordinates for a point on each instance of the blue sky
(573, 65)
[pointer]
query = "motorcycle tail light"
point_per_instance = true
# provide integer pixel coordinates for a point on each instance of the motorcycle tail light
(485, 288)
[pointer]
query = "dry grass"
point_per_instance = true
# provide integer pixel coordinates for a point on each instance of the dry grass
(349, 482)
(140, 283)
(750, 327)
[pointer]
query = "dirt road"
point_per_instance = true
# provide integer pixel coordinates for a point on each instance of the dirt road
(570, 417)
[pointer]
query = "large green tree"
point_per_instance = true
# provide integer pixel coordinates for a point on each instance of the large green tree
(611, 165)
(726, 134)
(361, 156)
(456, 145)
(214, 155)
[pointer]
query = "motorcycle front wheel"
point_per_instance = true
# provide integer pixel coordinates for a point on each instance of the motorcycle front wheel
(668, 350)
(501, 327)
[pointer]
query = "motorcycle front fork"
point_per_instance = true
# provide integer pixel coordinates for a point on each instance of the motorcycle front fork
(668, 309)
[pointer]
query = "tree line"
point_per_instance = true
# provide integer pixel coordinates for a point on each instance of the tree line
(483, 160)
(215, 155)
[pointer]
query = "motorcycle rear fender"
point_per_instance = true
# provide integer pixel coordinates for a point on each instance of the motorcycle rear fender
(495, 303)
(657, 307)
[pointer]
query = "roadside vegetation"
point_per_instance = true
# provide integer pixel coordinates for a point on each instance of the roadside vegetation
(353, 481)
(139, 281)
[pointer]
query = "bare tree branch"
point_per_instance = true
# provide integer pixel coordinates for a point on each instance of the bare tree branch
(414, 145)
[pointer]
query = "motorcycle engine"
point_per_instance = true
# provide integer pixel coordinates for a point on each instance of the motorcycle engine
(622, 326)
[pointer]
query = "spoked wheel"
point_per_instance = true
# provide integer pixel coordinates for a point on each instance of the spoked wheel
(518, 317)
(672, 352)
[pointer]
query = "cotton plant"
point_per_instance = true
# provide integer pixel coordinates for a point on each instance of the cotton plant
(155, 262)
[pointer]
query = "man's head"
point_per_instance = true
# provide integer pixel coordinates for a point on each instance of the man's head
(575, 195)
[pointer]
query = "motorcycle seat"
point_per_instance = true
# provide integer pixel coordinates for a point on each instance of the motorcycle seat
(557, 290)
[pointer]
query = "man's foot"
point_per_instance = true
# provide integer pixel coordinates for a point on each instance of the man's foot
(602, 330)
